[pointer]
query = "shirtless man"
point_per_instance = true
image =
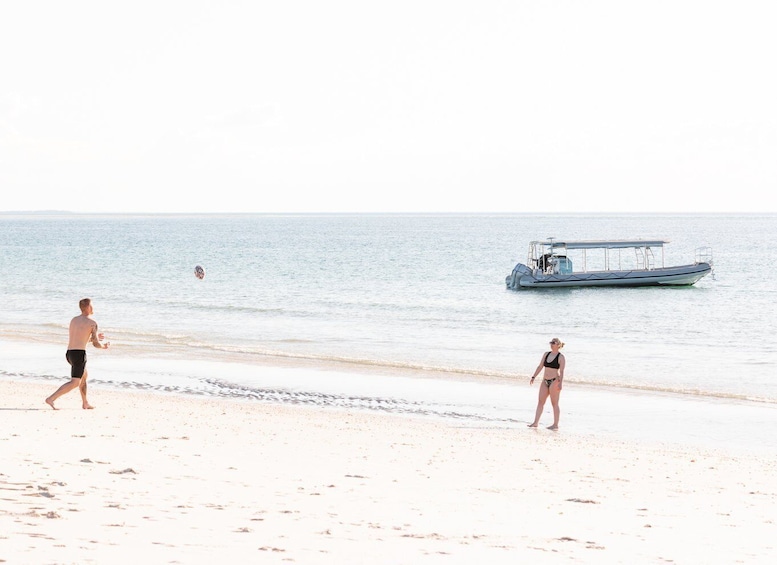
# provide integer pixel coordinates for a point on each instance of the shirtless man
(83, 329)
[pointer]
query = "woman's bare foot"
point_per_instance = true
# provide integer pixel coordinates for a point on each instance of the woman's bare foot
(532, 426)
(51, 403)
(553, 427)
(87, 406)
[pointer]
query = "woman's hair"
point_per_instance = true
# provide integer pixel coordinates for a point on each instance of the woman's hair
(557, 340)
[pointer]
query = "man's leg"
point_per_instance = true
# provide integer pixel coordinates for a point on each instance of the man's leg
(82, 387)
(65, 388)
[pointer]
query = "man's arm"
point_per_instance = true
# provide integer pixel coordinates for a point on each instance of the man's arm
(95, 338)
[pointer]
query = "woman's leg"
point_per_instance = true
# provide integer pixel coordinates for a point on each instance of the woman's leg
(543, 396)
(555, 393)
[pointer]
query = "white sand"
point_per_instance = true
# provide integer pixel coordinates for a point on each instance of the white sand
(168, 479)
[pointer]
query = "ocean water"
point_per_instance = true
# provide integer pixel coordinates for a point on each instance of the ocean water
(405, 313)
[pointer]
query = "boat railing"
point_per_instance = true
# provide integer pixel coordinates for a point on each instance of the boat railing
(650, 259)
(704, 255)
(646, 259)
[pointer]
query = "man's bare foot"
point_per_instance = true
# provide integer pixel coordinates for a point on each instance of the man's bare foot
(87, 406)
(532, 426)
(554, 427)
(51, 403)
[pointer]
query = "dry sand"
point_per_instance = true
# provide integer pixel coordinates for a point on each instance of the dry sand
(168, 479)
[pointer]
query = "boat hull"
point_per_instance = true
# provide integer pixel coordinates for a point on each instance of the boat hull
(684, 275)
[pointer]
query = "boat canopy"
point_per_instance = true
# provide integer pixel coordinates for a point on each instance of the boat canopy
(603, 244)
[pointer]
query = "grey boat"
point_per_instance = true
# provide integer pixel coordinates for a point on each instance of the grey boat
(602, 263)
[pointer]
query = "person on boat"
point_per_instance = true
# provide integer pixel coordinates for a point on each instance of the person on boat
(552, 363)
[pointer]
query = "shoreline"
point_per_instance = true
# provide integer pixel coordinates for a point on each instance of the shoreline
(172, 353)
(657, 417)
(192, 479)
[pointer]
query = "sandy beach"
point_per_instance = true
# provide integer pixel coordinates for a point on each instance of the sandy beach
(185, 479)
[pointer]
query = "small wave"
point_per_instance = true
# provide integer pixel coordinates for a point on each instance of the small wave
(200, 349)
(229, 308)
(12, 375)
(693, 392)
(46, 333)
(223, 389)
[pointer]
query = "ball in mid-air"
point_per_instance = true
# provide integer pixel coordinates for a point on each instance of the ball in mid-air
(199, 272)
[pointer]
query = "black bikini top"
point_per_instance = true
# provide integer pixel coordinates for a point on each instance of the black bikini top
(552, 364)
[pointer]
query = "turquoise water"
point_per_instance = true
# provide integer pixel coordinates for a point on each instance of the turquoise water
(420, 295)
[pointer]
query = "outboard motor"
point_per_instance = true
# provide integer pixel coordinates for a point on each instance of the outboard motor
(512, 280)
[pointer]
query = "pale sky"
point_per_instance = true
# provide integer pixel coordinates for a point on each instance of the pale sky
(400, 106)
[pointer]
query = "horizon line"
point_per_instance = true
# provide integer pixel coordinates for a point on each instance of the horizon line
(384, 213)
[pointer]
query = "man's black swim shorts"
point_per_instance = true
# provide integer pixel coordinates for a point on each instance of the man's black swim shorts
(77, 360)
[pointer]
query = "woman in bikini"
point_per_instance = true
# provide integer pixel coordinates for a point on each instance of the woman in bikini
(553, 362)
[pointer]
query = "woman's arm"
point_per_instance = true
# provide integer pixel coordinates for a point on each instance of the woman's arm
(539, 368)
(562, 362)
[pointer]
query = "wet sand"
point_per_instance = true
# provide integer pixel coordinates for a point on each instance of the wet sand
(187, 479)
